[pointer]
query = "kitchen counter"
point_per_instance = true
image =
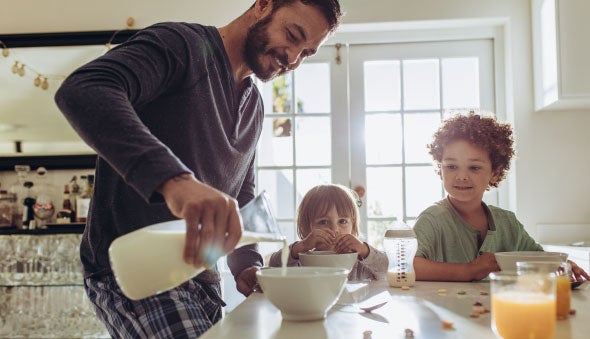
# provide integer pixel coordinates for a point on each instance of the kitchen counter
(421, 309)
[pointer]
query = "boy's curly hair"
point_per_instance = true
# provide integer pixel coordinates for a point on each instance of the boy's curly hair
(483, 131)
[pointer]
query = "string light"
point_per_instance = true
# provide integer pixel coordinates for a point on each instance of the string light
(42, 79)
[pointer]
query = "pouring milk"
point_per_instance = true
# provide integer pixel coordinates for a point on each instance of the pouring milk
(149, 260)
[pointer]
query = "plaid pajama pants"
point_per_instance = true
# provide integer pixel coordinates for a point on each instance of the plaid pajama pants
(184, 312)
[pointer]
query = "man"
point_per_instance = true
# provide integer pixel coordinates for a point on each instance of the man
(174, 117)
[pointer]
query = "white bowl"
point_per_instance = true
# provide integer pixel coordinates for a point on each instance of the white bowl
(328, 259)
(302, 293)
(507, 260)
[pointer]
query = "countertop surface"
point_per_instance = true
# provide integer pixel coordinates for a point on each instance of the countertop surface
(422, 309)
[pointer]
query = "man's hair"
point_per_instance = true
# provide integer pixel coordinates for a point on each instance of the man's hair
(330, 9)
(482, 131)
(320, 199)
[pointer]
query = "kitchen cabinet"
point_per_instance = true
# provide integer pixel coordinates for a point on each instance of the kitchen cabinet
(561, 54)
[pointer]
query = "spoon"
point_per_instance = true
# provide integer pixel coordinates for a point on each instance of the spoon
(369, 309)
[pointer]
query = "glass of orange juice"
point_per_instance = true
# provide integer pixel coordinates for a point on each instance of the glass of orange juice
(563, 271)
(523, 305)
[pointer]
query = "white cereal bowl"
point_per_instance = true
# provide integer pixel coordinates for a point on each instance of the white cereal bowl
(302, 293)
(507, 260)
(328, 259)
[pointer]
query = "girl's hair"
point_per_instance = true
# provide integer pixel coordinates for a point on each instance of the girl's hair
(482, 131)
(320, 199)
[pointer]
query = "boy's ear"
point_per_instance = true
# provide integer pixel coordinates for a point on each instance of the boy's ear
(496, 176)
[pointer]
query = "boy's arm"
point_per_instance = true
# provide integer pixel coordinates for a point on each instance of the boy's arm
(477, 269)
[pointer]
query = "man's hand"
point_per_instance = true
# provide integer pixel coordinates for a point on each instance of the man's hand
(213, 222)
(246, 281)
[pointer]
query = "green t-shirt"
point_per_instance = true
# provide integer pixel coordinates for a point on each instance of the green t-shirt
(444, 236)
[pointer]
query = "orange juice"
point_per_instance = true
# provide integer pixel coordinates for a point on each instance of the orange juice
(517, 315)
(563, 296)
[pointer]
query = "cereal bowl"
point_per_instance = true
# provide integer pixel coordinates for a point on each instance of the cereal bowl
(507, 260)
(302, 293)
(328, 259)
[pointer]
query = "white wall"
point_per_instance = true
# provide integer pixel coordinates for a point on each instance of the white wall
(553, 162)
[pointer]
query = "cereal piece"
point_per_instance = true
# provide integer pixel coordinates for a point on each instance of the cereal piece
(367, 334)
(474, 315)
(406, 288)
(442, 291)
(572, 312)
(461, 292)
(409, 333)
(447, 325)
(479, 309)
(477, 303)
(483, 293)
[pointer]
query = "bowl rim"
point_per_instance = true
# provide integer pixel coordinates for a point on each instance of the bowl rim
(534, 253)
(325, 253)
(308, 271)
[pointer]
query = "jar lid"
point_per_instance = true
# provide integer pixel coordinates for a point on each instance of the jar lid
(400, 233)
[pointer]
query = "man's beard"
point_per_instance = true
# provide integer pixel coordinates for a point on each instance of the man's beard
(255, 48)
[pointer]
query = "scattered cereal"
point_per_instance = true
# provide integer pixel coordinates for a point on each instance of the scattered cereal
(477, 303)
(479, 309)
(442, 291)
(447, 325)
(409, 333)
(367, 334)
(405, 288)
(572, 312)
(461, 292)
(474, 315)
(483, 293)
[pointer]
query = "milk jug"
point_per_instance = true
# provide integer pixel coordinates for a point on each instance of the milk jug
(149, 260)
(400, 244)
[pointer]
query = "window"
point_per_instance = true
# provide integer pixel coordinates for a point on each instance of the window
(366, 121)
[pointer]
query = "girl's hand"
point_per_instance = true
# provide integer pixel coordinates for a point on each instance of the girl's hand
(347, 243)
(322, 239)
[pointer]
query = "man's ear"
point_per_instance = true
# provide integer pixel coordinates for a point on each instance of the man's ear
(262, 8)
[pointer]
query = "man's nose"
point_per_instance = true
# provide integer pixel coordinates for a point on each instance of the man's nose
(294, 55)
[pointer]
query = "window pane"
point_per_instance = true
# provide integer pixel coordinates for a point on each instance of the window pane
(460, 77)
(421, 84)
(382, 85)
(279, 185)
(377, 230)
(313, 141)
(275, 146)
(312, 88)
(308, 178)
(384, 192)
(423, 188)
(419, 130)
(288, 229)
(383, 139)
(282, 94)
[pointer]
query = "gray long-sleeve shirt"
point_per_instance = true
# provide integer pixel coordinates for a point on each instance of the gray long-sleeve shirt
(161, 104)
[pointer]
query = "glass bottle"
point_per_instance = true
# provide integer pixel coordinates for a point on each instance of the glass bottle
(28, 201)
(83, 201)
(400, 244)
(20, 191)
(64, 216)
